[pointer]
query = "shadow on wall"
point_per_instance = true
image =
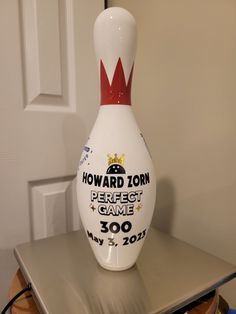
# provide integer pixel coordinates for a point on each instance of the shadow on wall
(163, 217)
(75, 134)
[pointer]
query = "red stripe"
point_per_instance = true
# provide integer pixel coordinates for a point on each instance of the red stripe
(118, 92)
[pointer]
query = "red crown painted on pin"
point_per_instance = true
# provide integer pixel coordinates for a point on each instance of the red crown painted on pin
(118, 92)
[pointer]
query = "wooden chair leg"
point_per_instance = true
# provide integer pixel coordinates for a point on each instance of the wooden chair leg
(25, 303)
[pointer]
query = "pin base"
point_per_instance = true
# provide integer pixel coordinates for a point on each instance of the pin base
(114, 268)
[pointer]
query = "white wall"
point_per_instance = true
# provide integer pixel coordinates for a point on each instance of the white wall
(184, 98)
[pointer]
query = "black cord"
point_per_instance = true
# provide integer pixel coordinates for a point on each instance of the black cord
(9, 304)
(105, 4)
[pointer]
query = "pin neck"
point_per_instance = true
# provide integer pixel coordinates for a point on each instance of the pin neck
(118, 92)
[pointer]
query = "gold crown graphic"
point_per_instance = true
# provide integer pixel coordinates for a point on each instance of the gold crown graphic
(116, 159)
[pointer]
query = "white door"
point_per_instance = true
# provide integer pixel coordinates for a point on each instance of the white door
(48, 102)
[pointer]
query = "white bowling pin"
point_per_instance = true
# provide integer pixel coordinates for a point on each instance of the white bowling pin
(116, 185)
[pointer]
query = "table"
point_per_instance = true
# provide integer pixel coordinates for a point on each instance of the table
(169, 274)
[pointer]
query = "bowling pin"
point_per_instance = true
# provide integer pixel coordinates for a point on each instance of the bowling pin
(116, 185)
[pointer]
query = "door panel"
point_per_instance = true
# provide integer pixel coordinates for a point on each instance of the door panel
(53, 207)
(48, 53)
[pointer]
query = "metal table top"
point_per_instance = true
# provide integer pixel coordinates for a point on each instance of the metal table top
(169, 274)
